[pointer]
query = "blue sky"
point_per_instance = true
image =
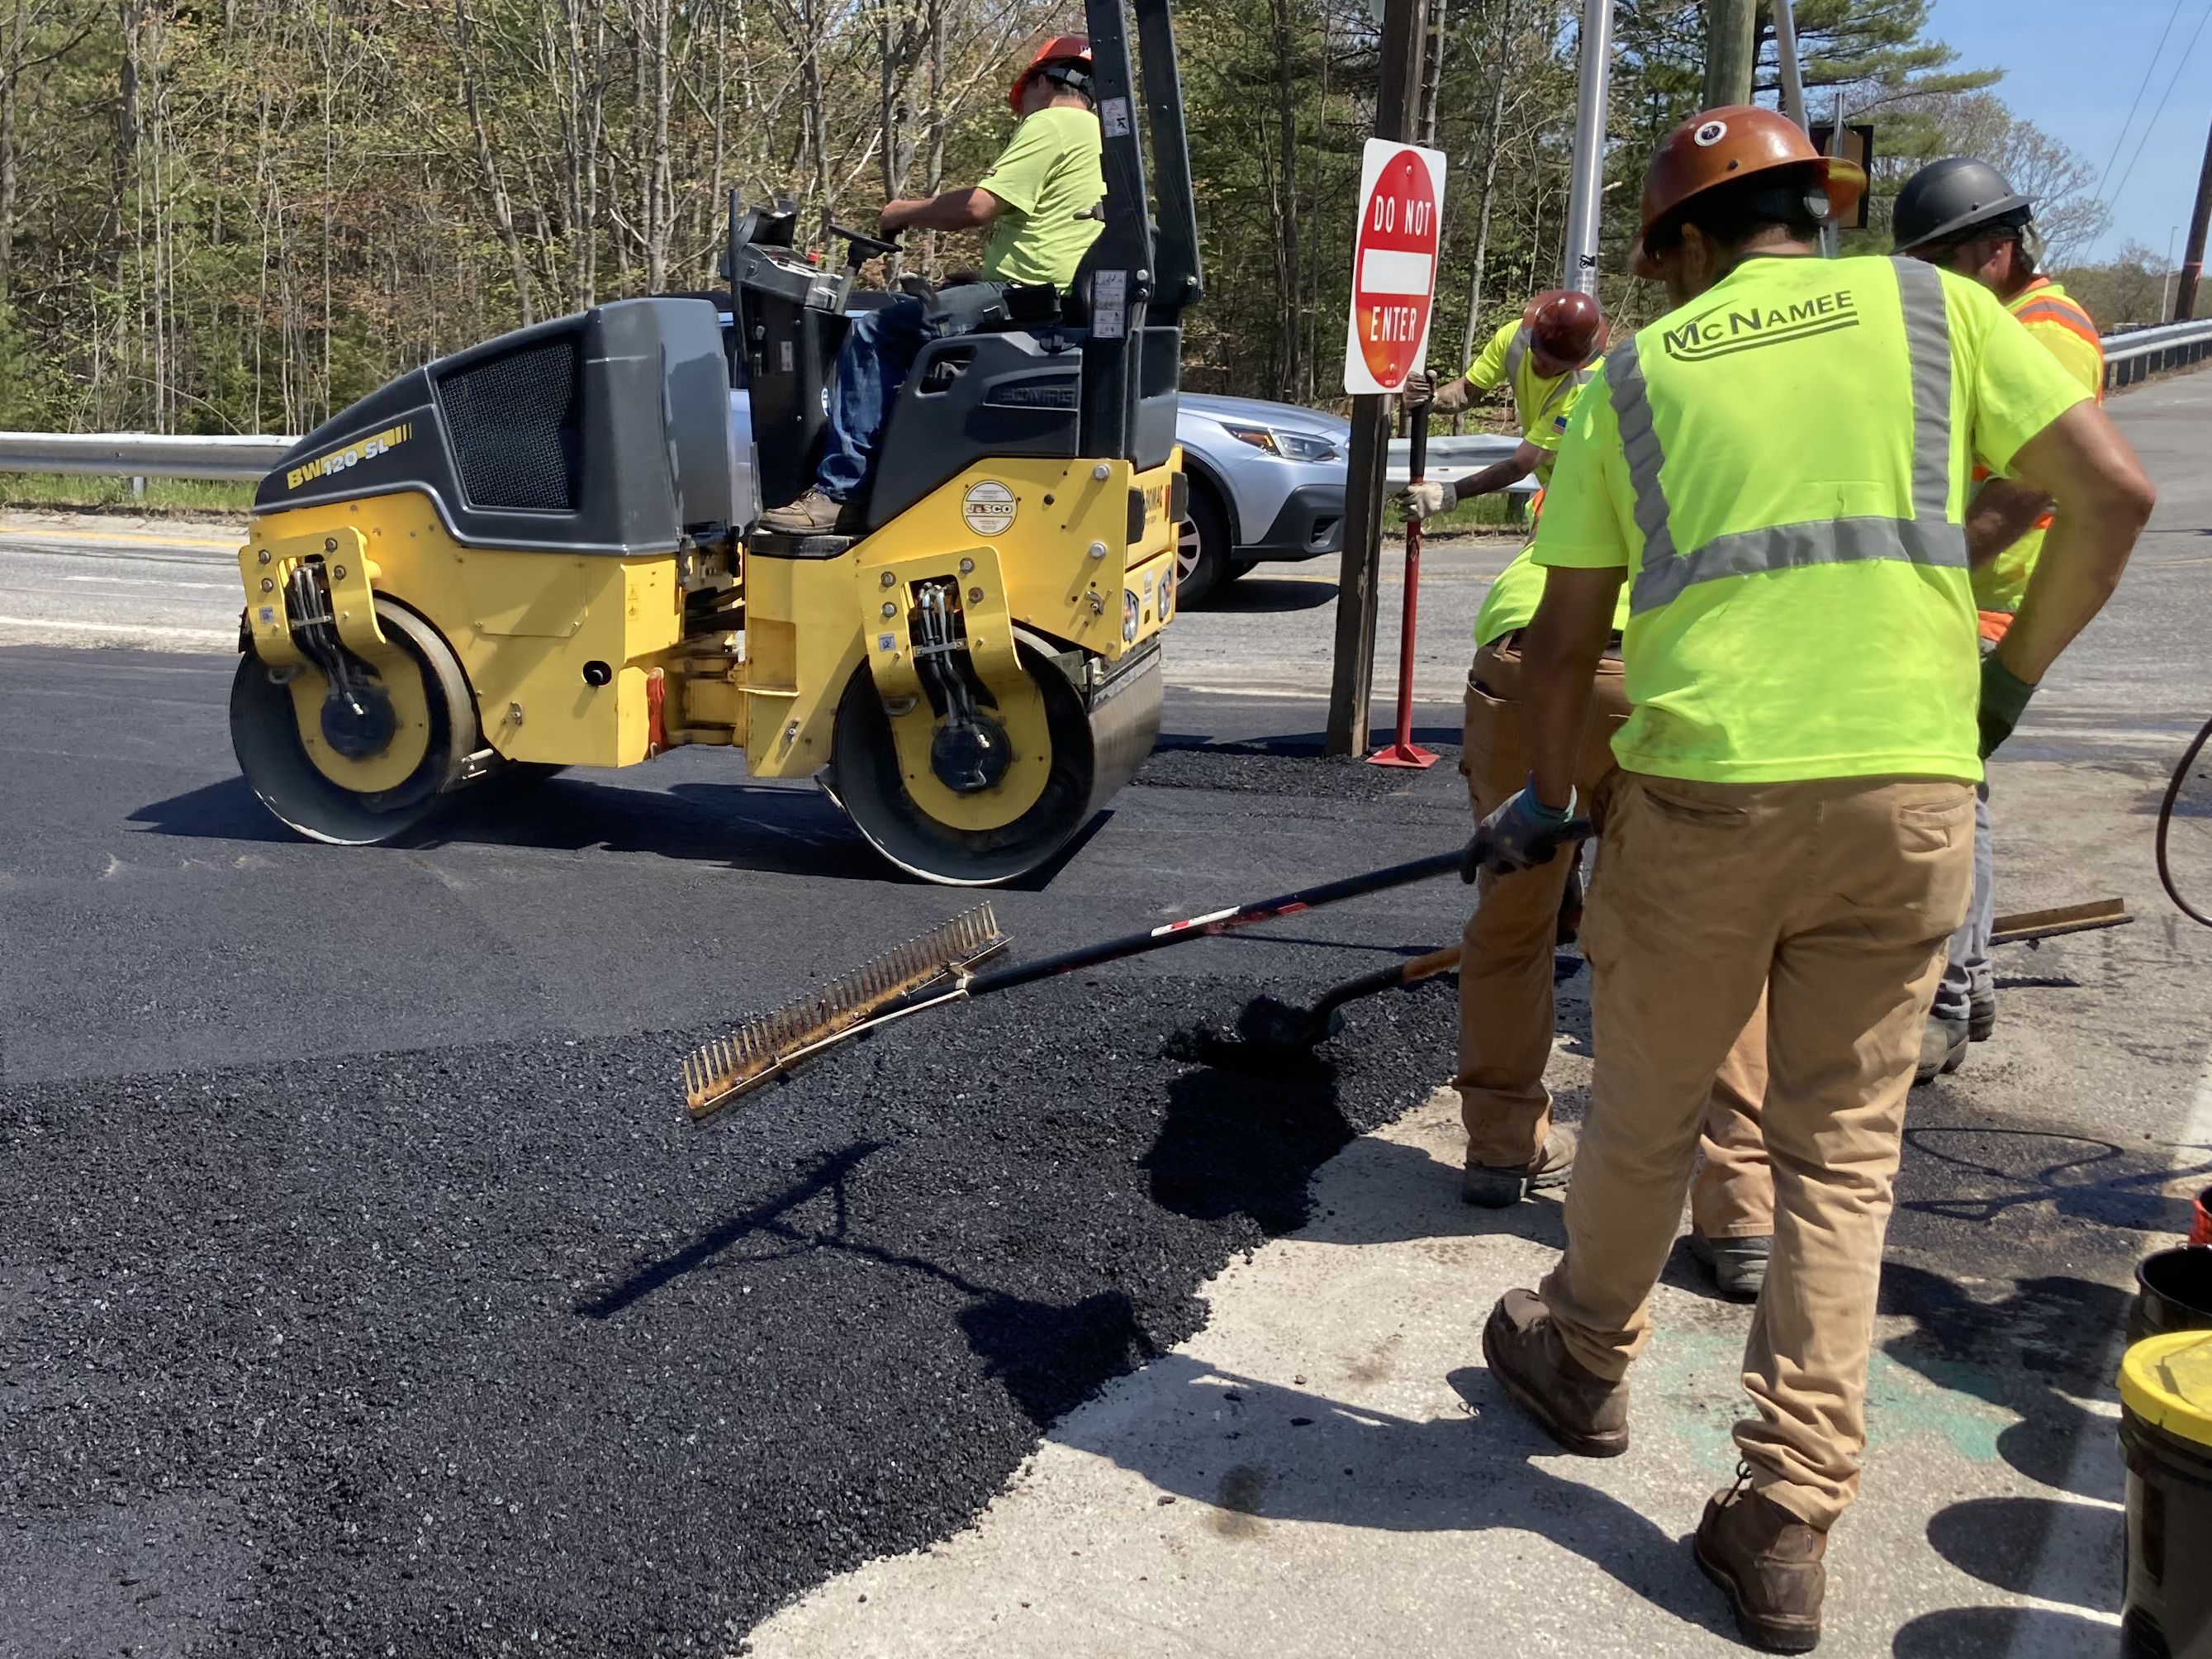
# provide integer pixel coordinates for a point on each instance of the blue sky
(2073, 70)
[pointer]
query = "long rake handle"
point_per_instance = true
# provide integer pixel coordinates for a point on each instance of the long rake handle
(1215, 922)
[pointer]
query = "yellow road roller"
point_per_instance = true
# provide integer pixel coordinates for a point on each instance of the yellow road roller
(541, 552)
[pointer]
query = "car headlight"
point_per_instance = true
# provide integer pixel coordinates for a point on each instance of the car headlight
(1288, 446)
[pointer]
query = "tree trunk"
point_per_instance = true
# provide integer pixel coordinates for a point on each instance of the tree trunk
(1501, 72)
(503, 205)
(1288, 269)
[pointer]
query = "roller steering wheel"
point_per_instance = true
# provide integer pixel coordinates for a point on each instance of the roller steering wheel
(860, 247)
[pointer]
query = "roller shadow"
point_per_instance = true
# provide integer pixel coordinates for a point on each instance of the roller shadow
(228, 811)
(1271, 595)
(772, 828)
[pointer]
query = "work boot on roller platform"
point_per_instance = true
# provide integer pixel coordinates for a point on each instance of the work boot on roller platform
(812, 514)
(1768, 1564)
(1494, 1188)
(1575, 1406)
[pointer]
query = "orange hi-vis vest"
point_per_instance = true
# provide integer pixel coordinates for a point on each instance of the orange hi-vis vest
(2061, 327)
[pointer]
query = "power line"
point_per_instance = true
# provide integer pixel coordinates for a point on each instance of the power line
(2153, 124)
(2149, 69)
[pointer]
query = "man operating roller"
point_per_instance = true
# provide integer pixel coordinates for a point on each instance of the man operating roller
(1038, 201)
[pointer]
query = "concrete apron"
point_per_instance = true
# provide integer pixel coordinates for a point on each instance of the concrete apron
(1327, 1468)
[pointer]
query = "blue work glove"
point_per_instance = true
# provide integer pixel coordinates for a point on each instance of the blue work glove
(1521, 834)
(2004, 700)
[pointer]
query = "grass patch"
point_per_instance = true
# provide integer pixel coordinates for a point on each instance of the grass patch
(87, 493)
(1492, 513)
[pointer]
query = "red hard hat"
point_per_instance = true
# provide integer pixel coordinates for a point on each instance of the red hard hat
(1566, 324)
(1717, 146)
(1073, 50)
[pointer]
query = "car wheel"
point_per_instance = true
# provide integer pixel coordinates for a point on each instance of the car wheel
(1202, 562)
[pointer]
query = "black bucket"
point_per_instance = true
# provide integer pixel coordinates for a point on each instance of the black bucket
(2173, 1292)
(2167, 1612)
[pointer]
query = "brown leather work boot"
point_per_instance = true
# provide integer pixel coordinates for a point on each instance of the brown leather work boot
(1768, 1562)
(812, 514)
(1494, 1188)
(1575, 1406)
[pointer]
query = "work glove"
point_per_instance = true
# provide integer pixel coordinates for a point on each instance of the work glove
(2004, 700)
(1422, 390)
(1424, 501)
(1520, 835)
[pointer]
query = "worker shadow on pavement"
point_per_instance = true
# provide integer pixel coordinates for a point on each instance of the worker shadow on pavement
(2019, 1632)
(1048, 1357)
(1233, 1144)
(2037, 1351)
(1259, 1454)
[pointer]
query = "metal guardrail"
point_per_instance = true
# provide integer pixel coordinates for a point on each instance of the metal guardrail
(1451, 459)
(142, 455)
(2128, 357)
(2131, 356)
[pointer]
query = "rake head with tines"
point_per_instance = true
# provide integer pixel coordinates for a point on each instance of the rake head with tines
(921, 973)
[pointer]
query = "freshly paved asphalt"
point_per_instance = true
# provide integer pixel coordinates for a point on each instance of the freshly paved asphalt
(363, 1290)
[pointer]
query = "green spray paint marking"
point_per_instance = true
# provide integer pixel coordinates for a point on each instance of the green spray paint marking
(1692, 1377)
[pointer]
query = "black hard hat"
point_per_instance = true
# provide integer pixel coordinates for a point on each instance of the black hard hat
(1952, 195)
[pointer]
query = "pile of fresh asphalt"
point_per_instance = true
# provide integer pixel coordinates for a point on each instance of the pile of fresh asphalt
(1278, 766)
(487, 1350)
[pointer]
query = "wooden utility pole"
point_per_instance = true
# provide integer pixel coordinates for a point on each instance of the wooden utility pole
(1352, 679)
(2192, 257)
(1731, 44)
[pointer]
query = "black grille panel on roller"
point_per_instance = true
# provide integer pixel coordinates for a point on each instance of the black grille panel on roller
(514, 423)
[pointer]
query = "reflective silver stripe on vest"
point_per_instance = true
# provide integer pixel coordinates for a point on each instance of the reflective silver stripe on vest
(1927, 537)
(1639, 444)
(1927, 344)
(1515, 350)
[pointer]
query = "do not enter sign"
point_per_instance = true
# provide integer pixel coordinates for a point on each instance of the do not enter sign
(1393, 264)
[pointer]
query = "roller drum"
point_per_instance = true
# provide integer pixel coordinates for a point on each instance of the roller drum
(1098, 742)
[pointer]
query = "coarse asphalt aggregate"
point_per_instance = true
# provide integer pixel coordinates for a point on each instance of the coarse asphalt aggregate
(485, 1349)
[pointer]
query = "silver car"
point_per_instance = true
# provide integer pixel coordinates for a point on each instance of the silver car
(1267, 481)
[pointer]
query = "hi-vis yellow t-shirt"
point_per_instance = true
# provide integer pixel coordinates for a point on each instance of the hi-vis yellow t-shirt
(1049, 177)
(1779, 471)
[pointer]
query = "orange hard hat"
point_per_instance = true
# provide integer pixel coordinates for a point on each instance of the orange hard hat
(1718, 146)
(1067, 54)
(1566, 324)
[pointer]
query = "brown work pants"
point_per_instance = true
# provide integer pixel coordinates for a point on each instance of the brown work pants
(1505, 1007)
(1836, 899)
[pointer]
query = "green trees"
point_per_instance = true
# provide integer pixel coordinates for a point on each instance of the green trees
(237, 214)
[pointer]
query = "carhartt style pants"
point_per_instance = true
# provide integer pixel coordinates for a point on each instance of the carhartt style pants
(1837, 897)
(1505, 1007)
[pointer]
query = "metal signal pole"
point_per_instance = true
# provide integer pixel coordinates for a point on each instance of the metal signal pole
(2192, 256)
(1351, 679)
(1586, 182)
